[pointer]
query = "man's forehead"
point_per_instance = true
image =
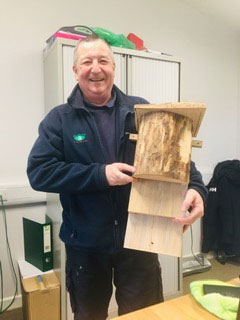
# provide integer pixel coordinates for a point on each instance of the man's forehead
(92, 44)
(92, 48)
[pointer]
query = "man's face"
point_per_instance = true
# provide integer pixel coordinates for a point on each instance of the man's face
(94, 72)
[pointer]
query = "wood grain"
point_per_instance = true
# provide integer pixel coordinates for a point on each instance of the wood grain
(158, 198)
(195, 143)
(181, 308)
(153, 234)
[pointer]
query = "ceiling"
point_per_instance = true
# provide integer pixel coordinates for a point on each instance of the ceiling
(227, 11)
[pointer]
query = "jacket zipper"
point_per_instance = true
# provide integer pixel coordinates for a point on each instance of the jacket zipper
(114, 209)
(97, 133)
(118, 140)
(116, 244)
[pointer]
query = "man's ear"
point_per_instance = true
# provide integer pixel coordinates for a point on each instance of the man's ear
(114, 68)
(75, 72)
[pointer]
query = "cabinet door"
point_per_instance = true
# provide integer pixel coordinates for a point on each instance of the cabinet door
(68, 78)
(158, 81)
(171, 275)
(120, 71)
(155, 80)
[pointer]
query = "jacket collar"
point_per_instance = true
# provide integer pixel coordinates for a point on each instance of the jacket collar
(76, 98)
(123, 104)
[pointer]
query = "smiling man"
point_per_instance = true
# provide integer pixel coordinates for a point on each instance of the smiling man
(83, 153)
(94, 69)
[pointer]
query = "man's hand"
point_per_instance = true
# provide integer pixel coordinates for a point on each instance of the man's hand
(115, 174)
(192, 201)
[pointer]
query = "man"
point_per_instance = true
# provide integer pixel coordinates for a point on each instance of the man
(83, 153)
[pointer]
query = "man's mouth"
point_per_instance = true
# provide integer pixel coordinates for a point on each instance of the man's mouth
(96, 80)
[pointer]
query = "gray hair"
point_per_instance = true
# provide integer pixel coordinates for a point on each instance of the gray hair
(91, 38)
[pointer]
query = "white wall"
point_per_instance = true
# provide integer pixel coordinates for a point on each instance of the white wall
(238, 119)
(15, 237)
(209, 51)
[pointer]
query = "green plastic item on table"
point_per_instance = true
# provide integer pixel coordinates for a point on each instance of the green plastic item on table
(113, 39)
(223, 307)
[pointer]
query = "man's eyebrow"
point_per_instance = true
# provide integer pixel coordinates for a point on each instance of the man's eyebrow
(104, 56)
(91, 57)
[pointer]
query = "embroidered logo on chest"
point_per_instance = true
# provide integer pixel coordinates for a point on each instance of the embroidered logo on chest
(79, 138)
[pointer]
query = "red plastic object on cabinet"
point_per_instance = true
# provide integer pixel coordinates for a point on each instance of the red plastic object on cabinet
(136, 40)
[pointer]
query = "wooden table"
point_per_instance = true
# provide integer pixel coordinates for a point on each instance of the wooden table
(181, 308)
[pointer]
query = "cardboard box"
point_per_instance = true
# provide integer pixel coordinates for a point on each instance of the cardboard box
(41, 297)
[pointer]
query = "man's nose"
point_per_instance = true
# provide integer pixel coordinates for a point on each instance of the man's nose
(95, 66)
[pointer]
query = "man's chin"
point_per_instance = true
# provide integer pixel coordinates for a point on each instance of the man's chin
(97, 90)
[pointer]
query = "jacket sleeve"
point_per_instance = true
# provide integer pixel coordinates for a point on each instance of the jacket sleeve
(47, 169)
(196, 182)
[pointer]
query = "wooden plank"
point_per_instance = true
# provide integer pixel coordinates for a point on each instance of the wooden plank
(154, 197)
(197, 143)
(153, 234)
(133, 136)
(192, 110)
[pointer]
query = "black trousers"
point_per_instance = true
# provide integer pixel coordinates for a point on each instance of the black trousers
(89, 276)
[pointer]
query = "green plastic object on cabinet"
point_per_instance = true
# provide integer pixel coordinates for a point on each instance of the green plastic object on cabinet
(113, 39)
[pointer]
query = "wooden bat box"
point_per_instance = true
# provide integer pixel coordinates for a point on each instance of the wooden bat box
(162, 162)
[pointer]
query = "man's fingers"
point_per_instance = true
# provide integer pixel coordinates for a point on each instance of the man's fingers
(187, 219)
(185, 227)
(116, 174)
(187, 201)
(123, 167)
(194, 201)
(185, 206)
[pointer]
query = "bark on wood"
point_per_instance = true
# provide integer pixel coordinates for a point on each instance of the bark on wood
(163, 150)
(192, 110)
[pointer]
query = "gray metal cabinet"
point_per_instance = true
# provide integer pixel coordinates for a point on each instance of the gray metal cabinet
(152, 76)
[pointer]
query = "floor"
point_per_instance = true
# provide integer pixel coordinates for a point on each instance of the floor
(217, 271)
(15, 314)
